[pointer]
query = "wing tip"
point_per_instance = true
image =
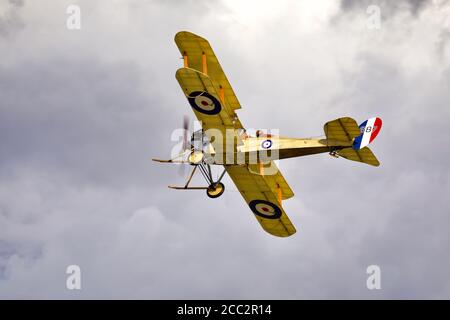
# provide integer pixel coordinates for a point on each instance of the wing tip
(284, 234)
(186, 34)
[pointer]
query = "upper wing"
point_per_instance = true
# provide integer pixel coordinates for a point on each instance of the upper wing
(204, 98)
(199, 55)
(215, 116)
(342, 129)
(263, 195)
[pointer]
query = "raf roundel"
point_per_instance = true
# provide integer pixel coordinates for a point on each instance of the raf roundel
(265, 209)
(203, 102)
(266, 144)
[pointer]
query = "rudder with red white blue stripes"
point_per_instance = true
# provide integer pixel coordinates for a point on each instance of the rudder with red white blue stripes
(369, 130)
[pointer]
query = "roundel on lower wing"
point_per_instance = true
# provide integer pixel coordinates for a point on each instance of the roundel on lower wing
(265, 209)
(266, 144)
(204, 102)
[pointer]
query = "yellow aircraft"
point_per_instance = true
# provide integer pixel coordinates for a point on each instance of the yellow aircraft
(249, 161)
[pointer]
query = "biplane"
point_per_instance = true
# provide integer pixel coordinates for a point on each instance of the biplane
(249, 160)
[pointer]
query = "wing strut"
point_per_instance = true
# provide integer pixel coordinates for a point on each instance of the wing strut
(185, 60)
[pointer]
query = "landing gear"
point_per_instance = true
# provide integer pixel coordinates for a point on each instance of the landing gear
(200, 155)
(196, 157)
(215, 190)
(334, 154)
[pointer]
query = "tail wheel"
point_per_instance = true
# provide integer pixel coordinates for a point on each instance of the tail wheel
(215, 191)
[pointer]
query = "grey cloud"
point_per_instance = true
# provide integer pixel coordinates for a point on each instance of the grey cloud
(11, 21)
(77, 185)
(50, 119)
(388, 7)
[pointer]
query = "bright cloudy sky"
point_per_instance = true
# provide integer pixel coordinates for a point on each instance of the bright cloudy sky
(82, 112)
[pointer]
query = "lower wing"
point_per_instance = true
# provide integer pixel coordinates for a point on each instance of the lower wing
(263, 195)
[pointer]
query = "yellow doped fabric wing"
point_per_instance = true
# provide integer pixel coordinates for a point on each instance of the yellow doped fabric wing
(203, 96)
(262, 196)
(198, 55)
(274, 179)
(214, 102)
(215, 116)
(342, 129)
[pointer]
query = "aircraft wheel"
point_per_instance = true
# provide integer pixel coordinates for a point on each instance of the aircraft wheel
(215, 192)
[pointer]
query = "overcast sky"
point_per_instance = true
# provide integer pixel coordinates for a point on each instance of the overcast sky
(82, 112)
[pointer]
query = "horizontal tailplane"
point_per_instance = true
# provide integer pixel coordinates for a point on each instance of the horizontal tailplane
(364, 155)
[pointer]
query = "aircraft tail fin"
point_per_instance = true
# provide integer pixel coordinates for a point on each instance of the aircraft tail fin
(369, 130)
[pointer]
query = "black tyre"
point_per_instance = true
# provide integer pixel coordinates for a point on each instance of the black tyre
(215, 191)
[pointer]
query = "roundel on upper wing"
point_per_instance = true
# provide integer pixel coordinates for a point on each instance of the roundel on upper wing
(266, 144)
(265, 209)
(204, 102)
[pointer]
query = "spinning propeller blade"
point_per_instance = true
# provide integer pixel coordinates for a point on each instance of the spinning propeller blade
(186, 143)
